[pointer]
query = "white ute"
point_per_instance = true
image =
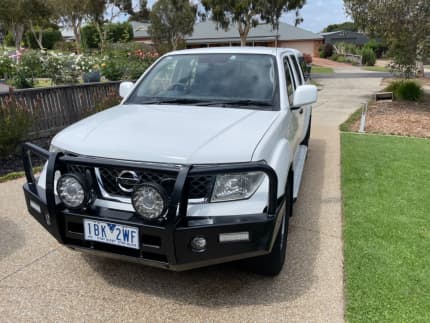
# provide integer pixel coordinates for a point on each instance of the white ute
(199, 164)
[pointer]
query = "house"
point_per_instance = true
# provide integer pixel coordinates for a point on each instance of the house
(140, 32)
(350, 37)
(206, 34)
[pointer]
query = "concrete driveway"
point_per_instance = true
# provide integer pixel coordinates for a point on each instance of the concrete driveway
(42, 281)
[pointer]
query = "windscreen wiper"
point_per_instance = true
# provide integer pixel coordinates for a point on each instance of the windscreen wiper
(173, 100)
(238, 103)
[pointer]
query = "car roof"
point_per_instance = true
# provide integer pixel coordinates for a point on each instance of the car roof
(237, 50)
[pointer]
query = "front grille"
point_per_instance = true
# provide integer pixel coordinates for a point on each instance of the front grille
(199, 187)
(109, 180)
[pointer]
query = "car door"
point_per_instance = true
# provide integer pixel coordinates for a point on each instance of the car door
(292, 84)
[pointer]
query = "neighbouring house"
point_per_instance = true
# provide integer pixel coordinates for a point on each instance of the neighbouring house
(206, 34)
(140, 32)
(350, 37)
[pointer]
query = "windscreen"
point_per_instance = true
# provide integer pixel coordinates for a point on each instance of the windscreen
(211, 79)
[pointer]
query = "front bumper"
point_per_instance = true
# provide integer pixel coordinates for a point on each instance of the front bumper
(164, 245)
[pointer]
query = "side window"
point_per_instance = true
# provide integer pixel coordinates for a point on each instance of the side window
(297, 69)
(289, 78)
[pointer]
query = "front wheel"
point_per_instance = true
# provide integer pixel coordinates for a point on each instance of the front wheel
(271, 264)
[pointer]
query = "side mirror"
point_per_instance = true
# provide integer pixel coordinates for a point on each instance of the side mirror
(125, 88)
(305, 95)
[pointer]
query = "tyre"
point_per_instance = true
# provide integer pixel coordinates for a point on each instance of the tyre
(271, 264)
(305, 141)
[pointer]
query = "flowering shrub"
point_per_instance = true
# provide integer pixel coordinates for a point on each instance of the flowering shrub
(86, 64)
(15, 122)
(7, 66)
(60, 68)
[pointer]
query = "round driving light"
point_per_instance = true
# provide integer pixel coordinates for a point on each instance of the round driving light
(150, 201)
(72, 191)
(198, 244)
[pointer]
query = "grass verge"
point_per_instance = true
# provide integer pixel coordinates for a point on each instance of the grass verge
(376, 69)
(346, 126)
(15, 175)
(321, 70)
(385, 184)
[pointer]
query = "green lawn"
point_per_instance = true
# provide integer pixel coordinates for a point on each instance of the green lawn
(386, 193)
(321, 70)
(376, 68)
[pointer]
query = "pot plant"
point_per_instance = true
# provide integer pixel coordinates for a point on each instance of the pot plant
(89, 67)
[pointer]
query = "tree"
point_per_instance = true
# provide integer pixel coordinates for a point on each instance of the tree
(171, 21)
(248, 14)
(346, 26)
(71, 14)
(39, 14)
(142, 14)
(13, 16)
(404, 24)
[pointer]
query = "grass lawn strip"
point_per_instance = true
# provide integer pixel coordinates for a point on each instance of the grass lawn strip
(321, 70)
(15, 175)
(386, 193)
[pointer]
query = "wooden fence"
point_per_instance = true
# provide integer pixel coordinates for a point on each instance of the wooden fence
(54, 108)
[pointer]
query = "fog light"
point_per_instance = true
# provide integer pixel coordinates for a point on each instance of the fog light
(72, 191)
(234, 237)
(150, 201)
(198, 244)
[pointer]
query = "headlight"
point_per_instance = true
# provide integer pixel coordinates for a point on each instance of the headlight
(239, 186)
(72, 191)
(150, 201)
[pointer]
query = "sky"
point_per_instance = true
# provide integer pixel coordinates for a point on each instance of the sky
(317, 14)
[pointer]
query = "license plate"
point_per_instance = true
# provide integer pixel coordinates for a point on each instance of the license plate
(111, 233)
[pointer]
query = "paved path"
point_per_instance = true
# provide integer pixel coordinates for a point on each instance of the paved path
(41, 281)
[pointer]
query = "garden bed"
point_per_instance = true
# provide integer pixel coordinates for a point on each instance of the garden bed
(395, 118)
(13, 163)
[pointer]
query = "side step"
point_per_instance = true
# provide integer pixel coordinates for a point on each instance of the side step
(299, 166)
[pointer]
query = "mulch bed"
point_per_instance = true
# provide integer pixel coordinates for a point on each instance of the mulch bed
(398, 118)
(13, 163)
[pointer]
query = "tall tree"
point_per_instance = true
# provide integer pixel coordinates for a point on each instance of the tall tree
(13, 15)
(171, 21)
(404, 24)
(142, 14)
(248, 14)
(39, 16)
(71, 14)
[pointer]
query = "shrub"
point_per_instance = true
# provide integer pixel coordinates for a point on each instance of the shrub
(22, 78)
(31, 62)
(368, 57)
(9, 39)
(65, 46)
(112, 69)
(90, 37)
(119, 32)
(49, 38)
(7, 66)
(61, 68)
(405, 90)
(15, 122)
(326, 51)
